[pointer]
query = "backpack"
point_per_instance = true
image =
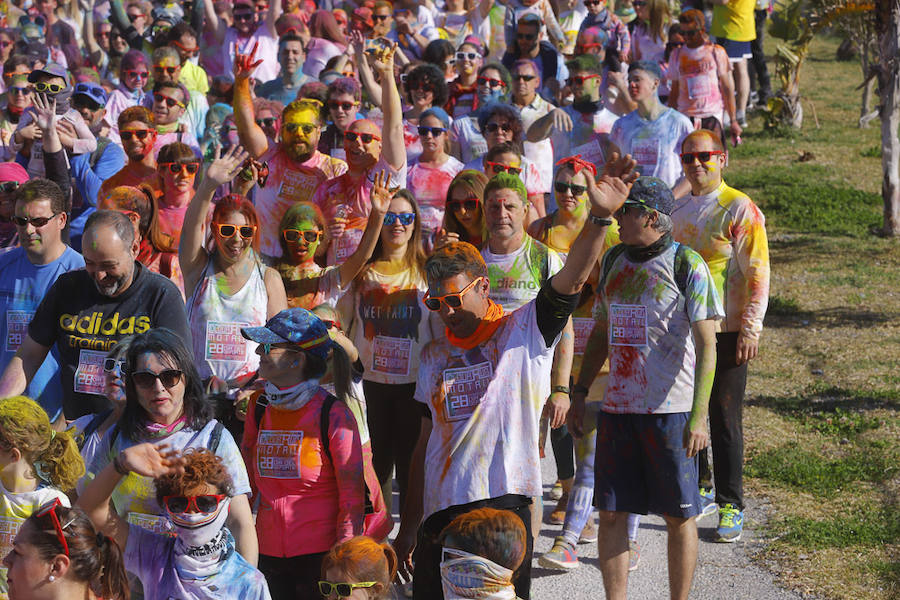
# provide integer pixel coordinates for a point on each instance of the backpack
(102, 143)
(681, 269)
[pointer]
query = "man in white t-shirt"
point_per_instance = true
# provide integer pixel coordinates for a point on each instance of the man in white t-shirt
(483, 385)
(526, 80)
(246, 34)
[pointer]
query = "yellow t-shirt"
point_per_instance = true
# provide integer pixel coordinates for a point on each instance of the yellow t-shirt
(195, 80)
(734, 21)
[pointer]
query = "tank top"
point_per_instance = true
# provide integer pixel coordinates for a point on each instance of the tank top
(216, 319)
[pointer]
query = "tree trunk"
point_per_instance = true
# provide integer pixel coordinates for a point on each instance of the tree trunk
(889, 86)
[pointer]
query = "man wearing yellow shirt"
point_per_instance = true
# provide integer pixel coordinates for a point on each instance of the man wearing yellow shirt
(184, 39)
(734, 26)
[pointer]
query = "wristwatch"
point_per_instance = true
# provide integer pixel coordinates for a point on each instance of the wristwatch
(599, 220)
(579, 389)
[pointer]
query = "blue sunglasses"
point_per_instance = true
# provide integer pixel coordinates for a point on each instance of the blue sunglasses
(404, 218)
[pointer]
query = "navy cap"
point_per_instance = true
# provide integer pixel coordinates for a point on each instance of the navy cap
(54, 69)
(295, 326)
(93, 91)
(652, 192)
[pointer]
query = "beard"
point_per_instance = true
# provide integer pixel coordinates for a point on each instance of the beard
(299, 151)
(114, 288)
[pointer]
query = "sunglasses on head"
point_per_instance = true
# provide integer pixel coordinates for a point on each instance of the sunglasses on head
(433, 303)
(343, 590)
(519, 77)
(266, 121)
(167, 100)
(227, 230)
(140, 134)
(113, 365)
(163, 69)
(405, 218)
(433, 131)
(206, 503)
(580, 79)
(49, 510)
(169, 378)
(562, 188)
(307, 128)
(526, 36)
(8, 187)
(467, 56)
(137, 74)
(490, 82)
(294, 235)
(350, 136)
(688, 157)
(175, 168)
(36, 221)
(334, 105)
(53, 88)
(469, 204)
(501, 168)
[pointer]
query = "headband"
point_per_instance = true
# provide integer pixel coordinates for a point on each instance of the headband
(577, 163)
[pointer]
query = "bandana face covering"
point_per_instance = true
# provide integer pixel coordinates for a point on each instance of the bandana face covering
(473, 576)
(203, 547)
(197, 529)
(62, 100)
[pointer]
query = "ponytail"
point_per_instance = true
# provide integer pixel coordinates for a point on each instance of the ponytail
(111, 582)
(341, 372)
(54, 455)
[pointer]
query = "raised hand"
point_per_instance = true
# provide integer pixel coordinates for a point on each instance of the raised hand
(245, 64)
(153, 461)
(225, 168)
(609, 193)
(357, 42)
(621, 167)
(384, 60)
(381, 195)
(561, 120)
(45, 111)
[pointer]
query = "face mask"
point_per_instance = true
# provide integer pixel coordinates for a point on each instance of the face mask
(473, 576)
(62, 100)
(493, 96)
(198, 529)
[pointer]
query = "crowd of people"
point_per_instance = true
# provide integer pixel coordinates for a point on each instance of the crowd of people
(293, 292)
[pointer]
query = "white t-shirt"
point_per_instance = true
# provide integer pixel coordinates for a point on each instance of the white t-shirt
(587, 138)
(655, 145)
(266, 52)
(540, 153)
(516, 278)
(485, 405)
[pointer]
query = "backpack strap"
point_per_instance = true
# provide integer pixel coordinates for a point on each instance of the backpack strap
(681, 270)
(102, 143)
(215, 437)
(608, 260)
(325, 423)
(260, 408)
(91, 427)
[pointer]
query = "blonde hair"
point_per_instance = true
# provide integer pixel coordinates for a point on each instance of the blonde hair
(53, 454)
(660, 19)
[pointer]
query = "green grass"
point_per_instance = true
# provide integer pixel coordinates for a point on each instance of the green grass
(874, 527)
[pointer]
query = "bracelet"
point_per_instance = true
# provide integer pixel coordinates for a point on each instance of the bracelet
(118, 466)
(560, 389)
(579, 389)
(602, 222)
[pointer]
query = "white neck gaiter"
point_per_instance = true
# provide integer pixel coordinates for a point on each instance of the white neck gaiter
(293, 397)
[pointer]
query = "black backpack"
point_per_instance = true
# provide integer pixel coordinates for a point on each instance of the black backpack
(681, 268)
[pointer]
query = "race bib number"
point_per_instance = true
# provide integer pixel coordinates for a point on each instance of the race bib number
(16, 328)
(464, 387)
(583, 327)
(296, 185)
(646, 153)
(627, 325)
(431, 217)
(391, 355)
(225, 342)
(154, 523)
(278, 453)
(698, 86)
(347, 244)
(591, 152)
(89, 374)
(9, 527)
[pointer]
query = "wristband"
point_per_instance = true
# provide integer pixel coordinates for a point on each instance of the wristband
(119, 467)
(561, 389)
(599, 220)
(579, 389)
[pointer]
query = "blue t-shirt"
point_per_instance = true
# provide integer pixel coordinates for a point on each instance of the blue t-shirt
(22, 287)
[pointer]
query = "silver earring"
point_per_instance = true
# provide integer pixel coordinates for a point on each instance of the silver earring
(51, 579)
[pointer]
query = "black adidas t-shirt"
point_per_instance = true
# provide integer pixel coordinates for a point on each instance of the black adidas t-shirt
(85, 324)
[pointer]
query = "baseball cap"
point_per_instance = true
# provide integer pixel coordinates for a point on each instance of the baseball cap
(652, 192)
(12, 171)
(54, 69)
(93, 91)
(295, 326)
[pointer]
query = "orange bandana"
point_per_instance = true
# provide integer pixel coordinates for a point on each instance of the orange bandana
(489, 324)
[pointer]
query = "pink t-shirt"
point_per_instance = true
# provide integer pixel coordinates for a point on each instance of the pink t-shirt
(428, 186)
(697, 72)
(289, 182)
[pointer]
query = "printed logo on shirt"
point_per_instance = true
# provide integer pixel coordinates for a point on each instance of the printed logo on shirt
(278, 453)
(463, 388)
(16, 328)
(391, 355)
(94, 324)
(698, 87)
(583, 327)
(347, 244)
(225, 342)
(627, 325)
(9, 527)
(297, 185)
(154, 523)
(646, 153)
(89, 378)
(391, 312)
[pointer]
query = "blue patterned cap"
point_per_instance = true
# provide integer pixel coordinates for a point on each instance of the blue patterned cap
(295, 326)
(652, 192)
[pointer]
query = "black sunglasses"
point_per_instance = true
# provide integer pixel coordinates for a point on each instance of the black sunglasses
(306, 127)
(8, 187)
(517, 77)
(366, 138)
(469, 204)
(493, 127)
(266, 122)
(688, 157)
(169, 378)
(526, 36)
(433, 131)
(562, 188)
(36, 221)
(140, 134)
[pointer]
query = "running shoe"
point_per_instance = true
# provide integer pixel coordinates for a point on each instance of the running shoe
(562, 557)
(556, 491)
(707, 503)
(589, 533)
(731, 523)
(634, 555)
(558, 516)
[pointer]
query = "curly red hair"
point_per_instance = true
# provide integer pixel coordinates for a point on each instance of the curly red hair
(201, 466)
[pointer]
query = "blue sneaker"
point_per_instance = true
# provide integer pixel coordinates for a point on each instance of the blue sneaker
(707, 503)
(731, 523)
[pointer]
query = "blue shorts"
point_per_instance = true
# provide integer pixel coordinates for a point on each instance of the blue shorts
(736, 50)
(642, 466)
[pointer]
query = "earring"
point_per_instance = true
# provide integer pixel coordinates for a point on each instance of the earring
(51, 579)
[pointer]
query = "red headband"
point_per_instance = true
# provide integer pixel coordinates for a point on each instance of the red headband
(578, 164)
